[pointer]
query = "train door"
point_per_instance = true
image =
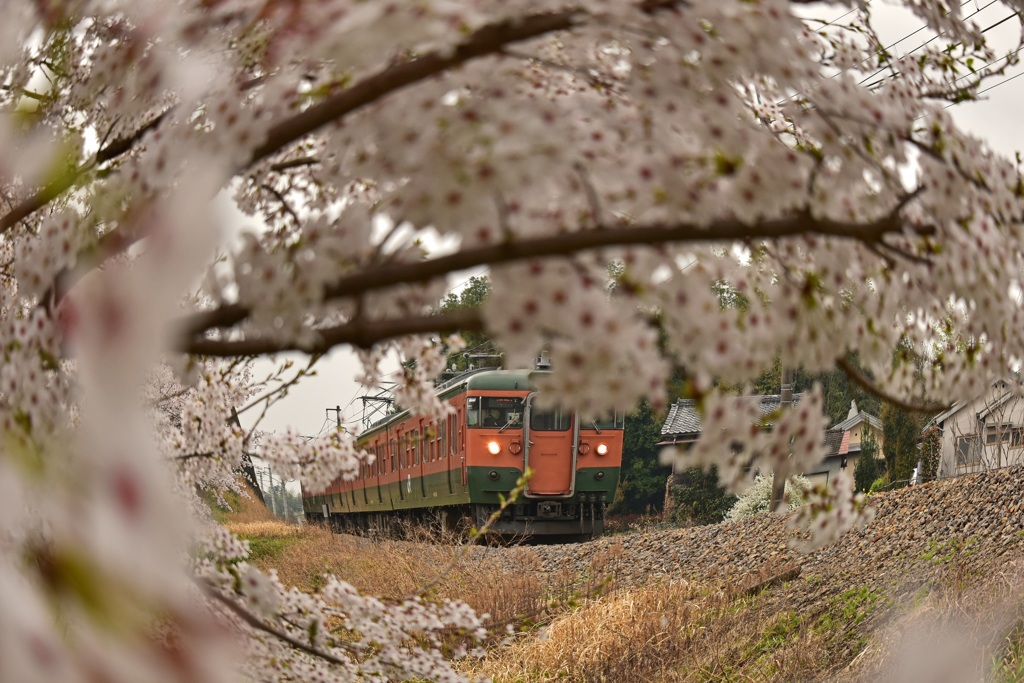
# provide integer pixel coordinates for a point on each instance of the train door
(403, 470)
(424, 457)
(367, 472)
(382, 461)
(550, 450)
(450, 450)
(460, 447)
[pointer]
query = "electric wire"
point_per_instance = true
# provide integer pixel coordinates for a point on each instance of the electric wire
(867, 59)
(925, 43)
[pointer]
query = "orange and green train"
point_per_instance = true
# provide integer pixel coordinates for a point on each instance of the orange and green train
(456, 471)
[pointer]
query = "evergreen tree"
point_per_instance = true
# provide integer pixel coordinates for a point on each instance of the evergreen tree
(866, 470)
(901, 430)
(931, 453)
(642, 478)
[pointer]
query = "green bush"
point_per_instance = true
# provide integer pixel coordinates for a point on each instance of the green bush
(697, 498)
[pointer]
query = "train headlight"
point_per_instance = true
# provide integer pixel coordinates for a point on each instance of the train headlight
(602, 449)
(493, 447)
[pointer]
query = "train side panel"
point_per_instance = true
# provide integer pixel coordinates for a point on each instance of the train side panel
(463, 468)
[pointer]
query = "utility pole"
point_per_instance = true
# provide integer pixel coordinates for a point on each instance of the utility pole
(337, 415)
(785, 401)
(273, 497)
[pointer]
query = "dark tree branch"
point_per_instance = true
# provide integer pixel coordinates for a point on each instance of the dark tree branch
(55, 189)
(284, 203)
(868, 385)
(257, 623)
(294, 163)
(359, 333)
(486, 40)
(384, 276)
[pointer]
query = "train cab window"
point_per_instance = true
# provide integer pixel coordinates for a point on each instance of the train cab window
(473, 411)
(615, 421)
(500, 412)
(556, 420)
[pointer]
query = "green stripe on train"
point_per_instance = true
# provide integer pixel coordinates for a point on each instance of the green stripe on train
(439, 490)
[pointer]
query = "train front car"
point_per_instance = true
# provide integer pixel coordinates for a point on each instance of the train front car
(574, 465)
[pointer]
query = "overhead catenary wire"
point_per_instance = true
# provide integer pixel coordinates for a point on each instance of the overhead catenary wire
(925, 43)
(866, 59)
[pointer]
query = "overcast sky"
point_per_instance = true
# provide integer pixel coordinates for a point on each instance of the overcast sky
(995, 119)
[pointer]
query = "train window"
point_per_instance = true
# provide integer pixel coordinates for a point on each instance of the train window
(556, 420)
(501, 412)
(473, 411)
(605, 422)
(453, 435)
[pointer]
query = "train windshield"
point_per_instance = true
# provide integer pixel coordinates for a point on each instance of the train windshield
(494, 412)
(556, 420)
(614, 421)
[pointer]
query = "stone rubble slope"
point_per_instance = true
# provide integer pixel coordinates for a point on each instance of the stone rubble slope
(976, 520)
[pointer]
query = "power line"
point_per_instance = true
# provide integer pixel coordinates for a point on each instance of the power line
(935, 37)
(867, 59)
(993, 87)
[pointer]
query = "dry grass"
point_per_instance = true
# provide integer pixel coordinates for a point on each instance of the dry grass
(959, 623)
(675, 631)
(965, 624)
(243, 508)
(270, 528)
(399, 569)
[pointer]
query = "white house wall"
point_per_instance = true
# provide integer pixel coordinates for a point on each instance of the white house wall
(996, 439)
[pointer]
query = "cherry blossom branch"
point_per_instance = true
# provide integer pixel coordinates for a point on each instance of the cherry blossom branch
(257, 623)
(276, 395)
(67, 180)
(358, 333)
(384, 276)
(868, 385)
(486, 40)
(294, 163)
(283, 201)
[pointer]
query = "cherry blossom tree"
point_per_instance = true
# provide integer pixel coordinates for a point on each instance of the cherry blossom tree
(377, 147)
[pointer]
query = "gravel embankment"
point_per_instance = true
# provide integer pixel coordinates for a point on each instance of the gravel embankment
(976, 521)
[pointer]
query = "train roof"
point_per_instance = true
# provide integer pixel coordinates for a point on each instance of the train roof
(503, 380)
(479, 380)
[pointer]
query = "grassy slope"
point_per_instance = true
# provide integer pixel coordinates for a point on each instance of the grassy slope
(676, 630)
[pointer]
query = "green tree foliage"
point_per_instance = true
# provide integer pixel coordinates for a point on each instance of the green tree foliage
(838, 389)
(931, 453)
(697, 499)
(472, 296)
(867, 469)
(642, 483)
(900, 429)
(284, 503)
